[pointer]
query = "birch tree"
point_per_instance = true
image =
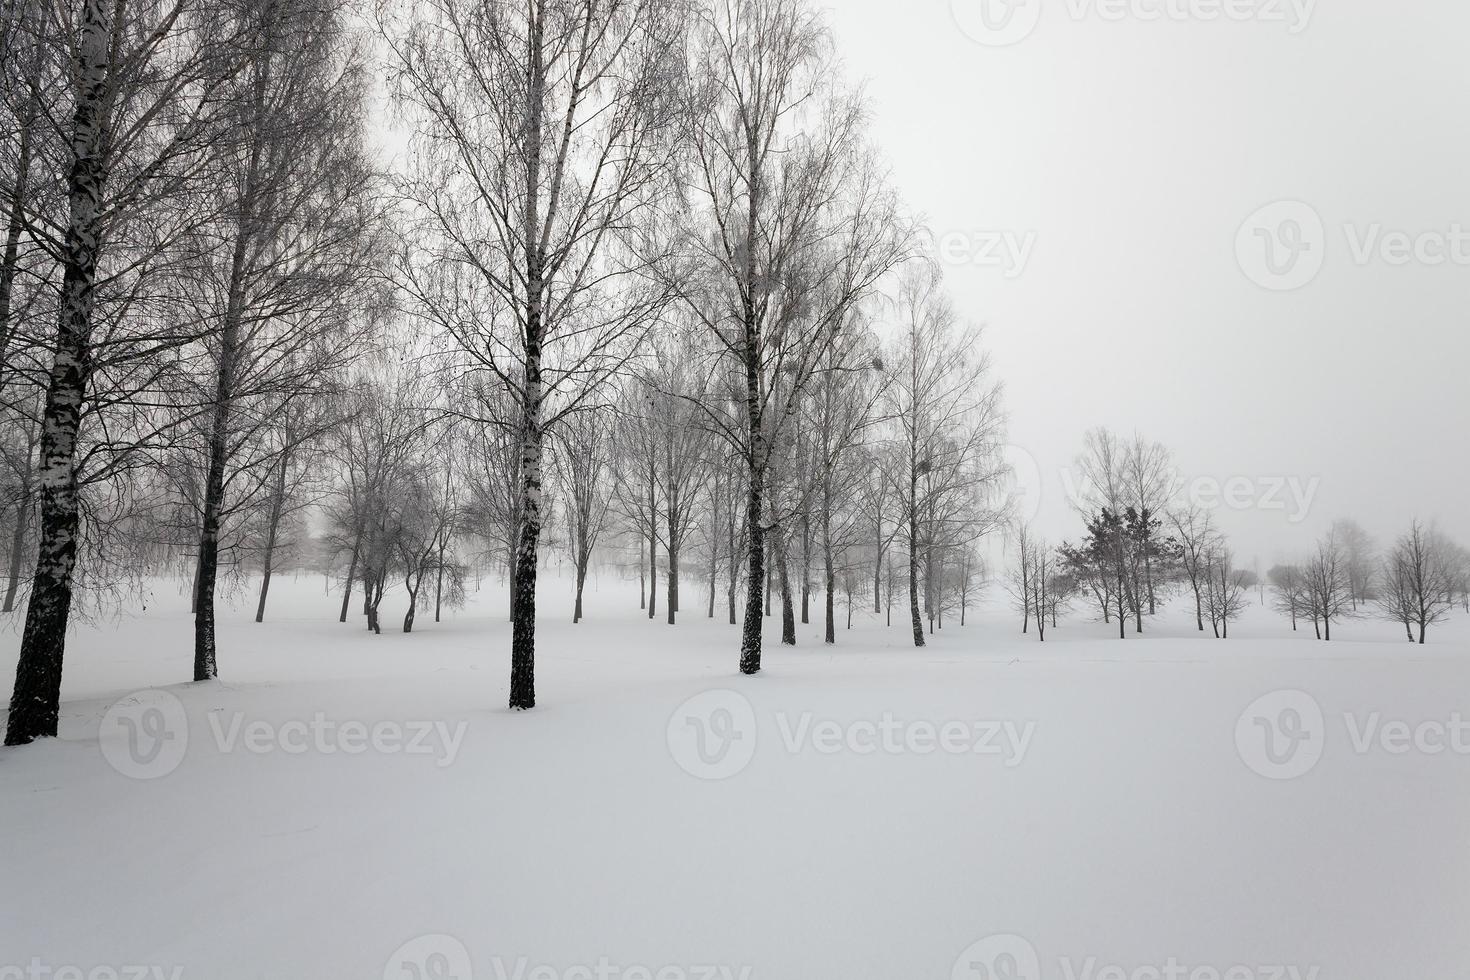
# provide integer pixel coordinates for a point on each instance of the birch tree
(138, 122)
(541, 134)
(790, 224)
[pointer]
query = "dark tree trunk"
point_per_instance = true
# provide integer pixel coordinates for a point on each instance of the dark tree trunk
(829, 571)
(351, 573)
(750, 630)
(652, 573)
(734, 557)
(277, 503)
(788, 612)
(581, 582)
(18, 539)
(914, 614)
(673, 600)
(523, 626)
(806, 566)
(35, 702)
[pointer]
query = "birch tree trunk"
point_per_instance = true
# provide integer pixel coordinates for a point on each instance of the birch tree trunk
(35, 702)
(278, 500)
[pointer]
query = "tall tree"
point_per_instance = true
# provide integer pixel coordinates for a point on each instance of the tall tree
(790, 226)
(293, 243)
(542, 136)
(140, 121)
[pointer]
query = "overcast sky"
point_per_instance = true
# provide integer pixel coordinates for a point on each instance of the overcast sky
(1125, 149)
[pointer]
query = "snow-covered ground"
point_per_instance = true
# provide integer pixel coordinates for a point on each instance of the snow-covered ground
(342, 805)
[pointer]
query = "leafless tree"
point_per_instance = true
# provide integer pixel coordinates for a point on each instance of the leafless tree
(542, 136)
(137, 126)
(790, 226)
(584, 467)
(1420, 579)
(1329, 585)
(1197, 539)
(946, 417)
(277, 271)
(1225, 589)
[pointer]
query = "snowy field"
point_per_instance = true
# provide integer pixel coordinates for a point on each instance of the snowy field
(342, 805)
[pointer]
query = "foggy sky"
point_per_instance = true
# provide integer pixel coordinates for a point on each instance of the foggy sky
(1121, 156)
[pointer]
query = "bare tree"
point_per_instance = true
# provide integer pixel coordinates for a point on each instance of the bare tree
(1197, 539)
(1420, 579)
(583, 464)
(292, 243)
(790, 227)
(543, 131)
(1360, 559)
(138, 124)
(1329, 585)
(1290, 592)
(1225, 590)
(946, 416)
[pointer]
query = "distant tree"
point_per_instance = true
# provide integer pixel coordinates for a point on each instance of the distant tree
(1360, 560)
(583, 466)
(1289, 591)
(1225, 591)
(1197, 538)
(1329, 585)
(1420, 577)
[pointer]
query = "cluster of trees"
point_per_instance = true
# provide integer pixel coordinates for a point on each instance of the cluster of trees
(1142, 547)
(638, 280)
(1421, 579)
